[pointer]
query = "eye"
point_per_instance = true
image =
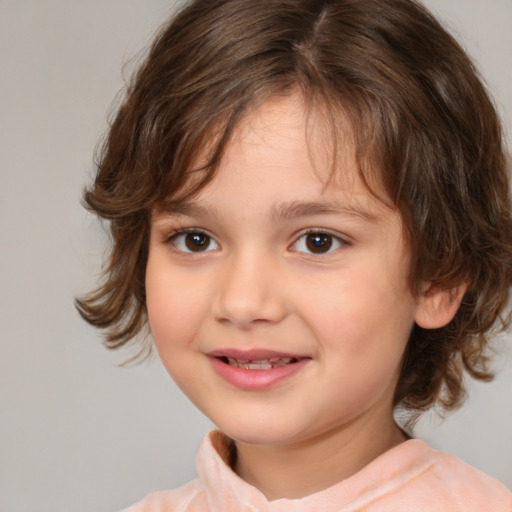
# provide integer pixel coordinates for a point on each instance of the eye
(317, 242)
(193, 241)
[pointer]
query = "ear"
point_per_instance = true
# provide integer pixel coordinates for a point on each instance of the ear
(437, 306)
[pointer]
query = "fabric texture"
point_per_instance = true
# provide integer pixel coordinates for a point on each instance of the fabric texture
(411, 476)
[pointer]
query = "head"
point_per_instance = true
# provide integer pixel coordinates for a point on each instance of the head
(379, 75)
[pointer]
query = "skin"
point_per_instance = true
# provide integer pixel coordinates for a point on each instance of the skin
(255, 284)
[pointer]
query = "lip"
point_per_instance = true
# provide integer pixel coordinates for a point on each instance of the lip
(254, 379)
(253, 354)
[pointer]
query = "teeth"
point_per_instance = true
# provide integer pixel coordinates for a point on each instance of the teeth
(259, 364)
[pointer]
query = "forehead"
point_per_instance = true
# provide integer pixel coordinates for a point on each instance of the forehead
(288, 152)
(290, 132)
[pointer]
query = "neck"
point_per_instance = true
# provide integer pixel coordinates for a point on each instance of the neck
(303, 468)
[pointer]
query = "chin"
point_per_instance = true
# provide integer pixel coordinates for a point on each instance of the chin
(258, 434)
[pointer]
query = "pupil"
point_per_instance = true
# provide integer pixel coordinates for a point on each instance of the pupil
(318, 242)
(197, 241)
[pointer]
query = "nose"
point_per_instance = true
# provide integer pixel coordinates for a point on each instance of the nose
(250, 293)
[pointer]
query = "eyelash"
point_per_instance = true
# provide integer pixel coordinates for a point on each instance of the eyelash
(333, 240)
(175, 235)
(336, 242)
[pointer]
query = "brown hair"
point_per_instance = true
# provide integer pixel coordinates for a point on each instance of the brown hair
(421, 119)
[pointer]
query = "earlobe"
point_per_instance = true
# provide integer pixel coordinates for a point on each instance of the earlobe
(437, 306)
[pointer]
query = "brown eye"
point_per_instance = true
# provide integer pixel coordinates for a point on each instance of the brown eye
(194, 242)
(197, 241)
(317, 243)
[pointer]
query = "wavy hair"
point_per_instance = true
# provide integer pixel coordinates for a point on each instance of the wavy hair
(421, 119)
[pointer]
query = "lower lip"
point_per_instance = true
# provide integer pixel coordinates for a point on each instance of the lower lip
(255, 379)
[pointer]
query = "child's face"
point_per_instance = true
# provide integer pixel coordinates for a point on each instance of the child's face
(274, 265)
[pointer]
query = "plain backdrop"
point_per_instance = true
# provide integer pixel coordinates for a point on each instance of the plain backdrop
(78, 433)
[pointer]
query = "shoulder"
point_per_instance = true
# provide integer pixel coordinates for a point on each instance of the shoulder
(450, 482)
(182, 499)
(466, 482)
(414, 475)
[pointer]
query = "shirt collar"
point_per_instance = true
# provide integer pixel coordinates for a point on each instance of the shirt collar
(225, 490)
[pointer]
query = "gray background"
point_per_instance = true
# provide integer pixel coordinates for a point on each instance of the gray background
(78, 433)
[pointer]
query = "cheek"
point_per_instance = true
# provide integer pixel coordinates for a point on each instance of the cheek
(173, 304)
(175, 312)
(362, 300)
(365, 320)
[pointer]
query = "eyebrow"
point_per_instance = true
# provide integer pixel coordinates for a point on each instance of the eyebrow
(175, 208)
(279, 212)
(294, 209)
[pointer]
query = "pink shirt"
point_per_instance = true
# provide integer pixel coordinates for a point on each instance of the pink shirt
(409, 478)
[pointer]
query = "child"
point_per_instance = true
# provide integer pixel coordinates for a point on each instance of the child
(309, 205)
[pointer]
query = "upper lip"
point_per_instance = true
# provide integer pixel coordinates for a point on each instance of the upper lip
(253, 354)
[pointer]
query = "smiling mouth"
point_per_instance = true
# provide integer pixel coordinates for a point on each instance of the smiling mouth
(258, 364)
